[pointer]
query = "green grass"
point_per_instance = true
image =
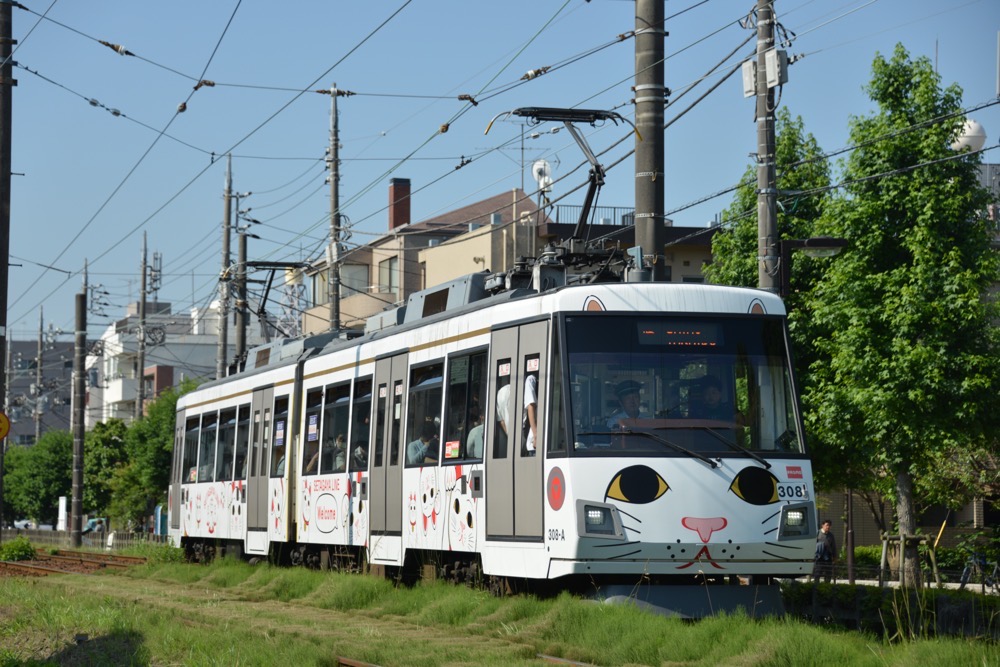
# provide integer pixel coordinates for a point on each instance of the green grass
(230, 613)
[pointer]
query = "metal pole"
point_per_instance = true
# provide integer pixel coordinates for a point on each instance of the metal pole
(140, 371)
(767, 212)
(649, 160)
(79, 406)
(7, 83)
(222, 352)
(241, 296)
(850, 536)
(333, 250)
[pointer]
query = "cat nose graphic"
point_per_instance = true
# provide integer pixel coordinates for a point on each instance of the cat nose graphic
(705, 527)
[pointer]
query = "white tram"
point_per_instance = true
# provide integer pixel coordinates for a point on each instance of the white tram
(666, 443)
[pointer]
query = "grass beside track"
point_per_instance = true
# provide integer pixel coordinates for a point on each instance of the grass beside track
(230, 613)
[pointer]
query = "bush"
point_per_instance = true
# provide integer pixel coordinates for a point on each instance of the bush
(868, 556)
(17, 549)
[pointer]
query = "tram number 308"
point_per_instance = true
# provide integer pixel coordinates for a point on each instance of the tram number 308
(557, 535)
(793, 492)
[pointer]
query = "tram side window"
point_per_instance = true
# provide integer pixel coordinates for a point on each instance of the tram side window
(424, 415)
(336, 413)
(242, 441)
(227, 446)
(397, 420)
(383, 397)
(466, 405)
(361, 409)
(310, 451)
(279, 445)
(557, 427)
(206, 453)
(255, 444)
(505, 401)
(190, 464)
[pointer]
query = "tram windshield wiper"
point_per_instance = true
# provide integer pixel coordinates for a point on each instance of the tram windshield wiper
(657, 438)
(733, 445)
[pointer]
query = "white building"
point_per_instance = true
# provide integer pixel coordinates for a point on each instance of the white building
(178, 346)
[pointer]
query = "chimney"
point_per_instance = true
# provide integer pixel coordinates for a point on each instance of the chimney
(399, 203)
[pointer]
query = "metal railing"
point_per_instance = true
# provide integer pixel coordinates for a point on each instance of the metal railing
(113, 541)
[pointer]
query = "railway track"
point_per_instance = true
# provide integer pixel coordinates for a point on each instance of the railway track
(67, 562)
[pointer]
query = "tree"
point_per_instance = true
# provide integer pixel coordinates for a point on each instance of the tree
(36, 476)
(149, 443)
(104, 454)
(904, 388)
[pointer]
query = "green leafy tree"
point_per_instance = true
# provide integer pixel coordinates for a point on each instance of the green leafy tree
(104, 454)
(149, 443)
(904, 389)
(36, 476)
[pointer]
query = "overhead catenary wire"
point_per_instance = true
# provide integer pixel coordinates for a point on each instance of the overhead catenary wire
(414, 157)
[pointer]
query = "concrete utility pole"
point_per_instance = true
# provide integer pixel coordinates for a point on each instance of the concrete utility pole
(220, 360)
(241, 294)
(79, 406)
(767, 208)
(333, 249)
(7, 83)
(650, 94)
(38, 375)
(140, 371)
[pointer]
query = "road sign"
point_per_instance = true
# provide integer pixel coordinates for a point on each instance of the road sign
(4, 426)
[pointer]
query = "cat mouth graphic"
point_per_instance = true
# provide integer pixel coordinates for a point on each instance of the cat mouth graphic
(704, 527)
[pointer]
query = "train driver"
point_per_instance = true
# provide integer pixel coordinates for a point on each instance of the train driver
(627, 393)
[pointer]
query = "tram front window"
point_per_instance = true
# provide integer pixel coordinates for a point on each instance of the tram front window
(663, 385)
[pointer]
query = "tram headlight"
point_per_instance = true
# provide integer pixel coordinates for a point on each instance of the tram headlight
(795, 518)
(797, 521)
(598, 520)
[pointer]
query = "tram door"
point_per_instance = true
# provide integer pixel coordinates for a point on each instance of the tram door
(514, 473)
(177, 476)
(261, 409)
(386, 482)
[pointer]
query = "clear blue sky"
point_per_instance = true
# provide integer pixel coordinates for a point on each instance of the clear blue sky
(93, 182)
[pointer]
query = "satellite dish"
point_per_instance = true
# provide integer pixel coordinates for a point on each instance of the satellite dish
(541, 171)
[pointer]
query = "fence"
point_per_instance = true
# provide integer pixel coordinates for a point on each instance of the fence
(113, 541)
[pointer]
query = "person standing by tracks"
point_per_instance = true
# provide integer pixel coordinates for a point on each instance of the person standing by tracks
(826, 553)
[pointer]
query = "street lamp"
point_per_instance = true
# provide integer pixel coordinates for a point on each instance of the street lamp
(818, 246)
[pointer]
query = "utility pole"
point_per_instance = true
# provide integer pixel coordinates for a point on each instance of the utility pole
(7, 82)
(220, 360)
(333, 249)
(650, 94)
(767, 208)
(241, 294)
(140, 371)
(38, 375)
(79, 406)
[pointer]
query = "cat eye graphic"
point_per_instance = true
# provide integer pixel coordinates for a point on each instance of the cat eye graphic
(637, 485)
(756, 486)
